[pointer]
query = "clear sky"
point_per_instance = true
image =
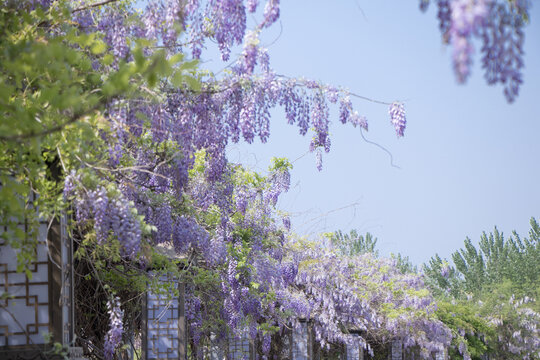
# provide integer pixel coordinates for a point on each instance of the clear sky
(468, 161)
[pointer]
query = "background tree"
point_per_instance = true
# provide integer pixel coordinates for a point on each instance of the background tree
(498, 282)
(353, 243)
(495, 260)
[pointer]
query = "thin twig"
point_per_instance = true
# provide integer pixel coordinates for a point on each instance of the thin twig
(5, 308)
(47, 242)
(368, 99)
(278, 36)
(353, 205)
(86, 7)
(382, 148)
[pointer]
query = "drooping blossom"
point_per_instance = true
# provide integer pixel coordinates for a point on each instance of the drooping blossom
(397, 117)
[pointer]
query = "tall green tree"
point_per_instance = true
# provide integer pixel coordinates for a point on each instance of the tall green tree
(496, 259)
(353, 243)
(493, 284)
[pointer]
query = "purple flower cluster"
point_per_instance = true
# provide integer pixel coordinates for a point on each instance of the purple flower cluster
(271, 13)
(162, 219)
(519, 333)
(111, 216)
(229, 24)
(242, 109)
(116, 328)
(498, 24)
(194, 315)
(250, 53)
(187, 234)
(280, 181)
(397, 117)
(101, 206)
(445, 270)
(289, 271)
(116, 32)
(172, 11)
(287, 222)
(364, 292)
(252, 5)
(70, 184)
(318, 159)
(467, 17)
(151, 20)
(502, 49)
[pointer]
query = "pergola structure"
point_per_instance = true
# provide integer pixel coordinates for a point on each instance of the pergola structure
(37, 310)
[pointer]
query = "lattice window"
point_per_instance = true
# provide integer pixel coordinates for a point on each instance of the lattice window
(286, 345)
(301, 342)
(355, 352)
(25, 313)
(42, 304)
(165, 335)
(441, 355)
(397, 350)
(162, 335)
(240, 349)
(214, 350)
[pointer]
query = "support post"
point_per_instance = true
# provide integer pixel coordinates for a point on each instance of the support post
(182, 323)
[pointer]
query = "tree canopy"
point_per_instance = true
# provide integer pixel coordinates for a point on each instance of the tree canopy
(498, 281)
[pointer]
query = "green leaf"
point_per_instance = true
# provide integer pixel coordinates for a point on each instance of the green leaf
(189, 65)
(193, 83)
(107, 59)
(98, 47)
(176, 58)
(177, 79)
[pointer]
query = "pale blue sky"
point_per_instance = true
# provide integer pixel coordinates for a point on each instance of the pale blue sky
(469, 161)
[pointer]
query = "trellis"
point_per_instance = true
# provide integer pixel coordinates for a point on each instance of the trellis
(43, 304)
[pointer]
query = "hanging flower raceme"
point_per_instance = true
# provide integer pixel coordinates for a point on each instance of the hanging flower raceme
(109, 213)
(116, 328)
(397, 117)
(498, 25)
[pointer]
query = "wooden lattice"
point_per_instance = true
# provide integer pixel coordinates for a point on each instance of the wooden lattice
(37, 309)
(164, 333)
(25, 310)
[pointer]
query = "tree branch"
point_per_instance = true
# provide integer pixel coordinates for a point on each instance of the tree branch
(86, 7)
(53, 129)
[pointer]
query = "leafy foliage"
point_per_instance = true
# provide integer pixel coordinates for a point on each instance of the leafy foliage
(470, 332)
(353, 243)
(496, 260)
(501, 278)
